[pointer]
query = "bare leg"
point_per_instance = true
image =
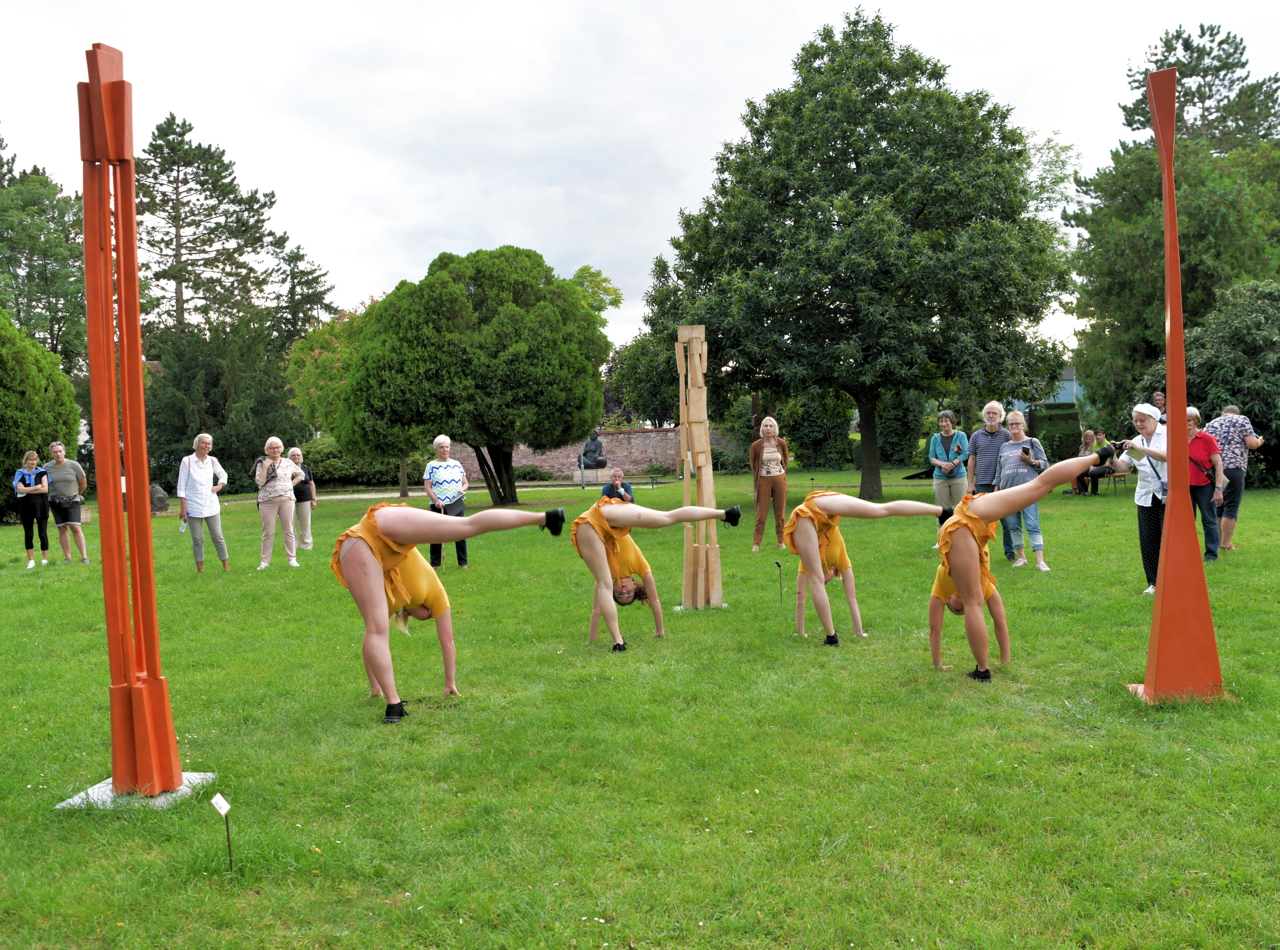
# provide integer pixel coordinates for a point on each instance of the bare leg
(849, 507)
(1005, 502)
(802, 598)
(965, 574)
(637, 516)
(78, 534)
(363, 574)
(805, 539)
(593, 552)
(1228, 526)
(415, 526)
(996, 607)
(851, 595)
(651, 588)
(937, 611)
(444, 631)
(64, 539)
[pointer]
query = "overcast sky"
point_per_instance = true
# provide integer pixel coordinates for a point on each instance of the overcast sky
(391, 132)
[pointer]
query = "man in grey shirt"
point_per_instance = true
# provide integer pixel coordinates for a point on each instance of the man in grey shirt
(67, 483)
(984, 457)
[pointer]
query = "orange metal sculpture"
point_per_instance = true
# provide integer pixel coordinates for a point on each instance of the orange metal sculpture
(1182, 655)
(144, 748)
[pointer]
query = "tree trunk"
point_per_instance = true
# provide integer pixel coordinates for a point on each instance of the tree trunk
(871, 488)
(404, 478)
(499, 476)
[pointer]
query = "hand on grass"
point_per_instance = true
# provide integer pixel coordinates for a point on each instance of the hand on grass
(943, 667)
(452, 691)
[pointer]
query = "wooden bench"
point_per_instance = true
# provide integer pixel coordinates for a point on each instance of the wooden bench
(1123, 478)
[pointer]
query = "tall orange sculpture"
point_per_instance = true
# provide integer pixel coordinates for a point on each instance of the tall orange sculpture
(1182, 654)
(144, 748)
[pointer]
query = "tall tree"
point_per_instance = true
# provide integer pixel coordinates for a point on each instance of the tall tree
(873, 231)
(299, 295)
(643, 380)
(37, 403)
(318, 365)
(6, 164)
(42, 265)
(1218, 102)
(491, 348)
(203, 240)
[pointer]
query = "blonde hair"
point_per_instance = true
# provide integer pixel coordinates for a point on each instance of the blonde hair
(1194, 413)
(32, 456)
(400, 620)
(1015, 412)
(769, 420)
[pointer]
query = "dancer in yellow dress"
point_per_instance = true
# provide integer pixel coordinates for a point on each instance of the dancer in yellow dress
(378, 561)
(602, 537)
(813, 530)
(966, 564)
(945, 596)
(835, 563)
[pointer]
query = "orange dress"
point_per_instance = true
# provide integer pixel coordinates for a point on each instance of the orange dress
(826, 526)
(836, 556)
(982, 533)
(406, 583)
(624, 554)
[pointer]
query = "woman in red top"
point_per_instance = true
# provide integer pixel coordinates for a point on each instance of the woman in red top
(1207, 480)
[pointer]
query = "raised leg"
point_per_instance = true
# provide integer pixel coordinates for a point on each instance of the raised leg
(637, 516)
(805, 539)
(363, 574)
(415, 526)
(1001, 504)
(849, 507)
(593, 552)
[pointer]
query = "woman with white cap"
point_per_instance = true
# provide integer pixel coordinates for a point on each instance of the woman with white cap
(1151, 466)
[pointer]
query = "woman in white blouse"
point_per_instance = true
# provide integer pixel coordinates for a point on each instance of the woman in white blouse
(276, 476)
(198, 499)
(1150, 465)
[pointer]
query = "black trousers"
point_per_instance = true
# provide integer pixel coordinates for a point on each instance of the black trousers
(1150, 530)
(454, 509)
(34, 511)
(1232, 494)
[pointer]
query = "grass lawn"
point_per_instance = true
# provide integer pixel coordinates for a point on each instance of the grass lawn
(729, 786)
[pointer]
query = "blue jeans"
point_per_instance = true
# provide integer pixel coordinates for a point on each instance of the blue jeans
(1004, 528)
(1202, 498)
(1029, 519)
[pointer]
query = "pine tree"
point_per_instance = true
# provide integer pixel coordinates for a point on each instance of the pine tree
(299, 296)
(204, 241)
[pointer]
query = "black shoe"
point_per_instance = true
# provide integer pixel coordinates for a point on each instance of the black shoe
(620, 647)
(395, 712)
(945, 516)
(555, 521)
(982, 676)
(1106, 453)
(831, 641)
(731, 515)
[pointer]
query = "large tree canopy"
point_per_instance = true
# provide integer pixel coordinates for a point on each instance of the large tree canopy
(873, 231)
(37, 403)
(492, 349)
(1234, 359)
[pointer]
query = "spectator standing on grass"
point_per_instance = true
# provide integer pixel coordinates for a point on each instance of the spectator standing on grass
(1236, 437)
(1207, 480)
(276, 476)
(948, 451)
(768, 459)
(304, 500)
(446, 482)
(31, 482)
(984, 456)
(67, 483)
(1022, 458)
(1151, 466)
(617, 488)
(200, 478)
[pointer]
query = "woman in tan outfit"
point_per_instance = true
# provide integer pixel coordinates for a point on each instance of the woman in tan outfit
(769, 460)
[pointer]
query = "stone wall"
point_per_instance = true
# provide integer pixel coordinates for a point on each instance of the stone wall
(632, 450)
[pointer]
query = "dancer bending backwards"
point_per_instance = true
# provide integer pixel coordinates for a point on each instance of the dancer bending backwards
(835, 562)
(378, 561)
(966, 564)
(813, 530)
(615, 559)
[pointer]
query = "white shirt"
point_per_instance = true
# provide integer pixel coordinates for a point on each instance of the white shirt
(1150, 472)
(195, 484)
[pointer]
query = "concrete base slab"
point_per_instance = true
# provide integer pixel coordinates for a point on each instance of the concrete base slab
(101, 795)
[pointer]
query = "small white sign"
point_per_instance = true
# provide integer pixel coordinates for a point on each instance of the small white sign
(220, 804)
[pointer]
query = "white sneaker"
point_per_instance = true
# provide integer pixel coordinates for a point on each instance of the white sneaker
(293, 562)
(30, 565)
(263, 566)
(1150, 590)
(44, 563)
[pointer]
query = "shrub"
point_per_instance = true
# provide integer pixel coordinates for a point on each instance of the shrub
(658, 470)
(332, 467)
(532, 473)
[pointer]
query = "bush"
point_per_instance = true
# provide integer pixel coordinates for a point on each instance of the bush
(1057, 426)
(727, 463)
(333, 468)
(532, 473)
(658, 470)
(900, 425)
(816, 428)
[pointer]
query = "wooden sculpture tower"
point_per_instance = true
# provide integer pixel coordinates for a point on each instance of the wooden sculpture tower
(144, 748)
(701, 552)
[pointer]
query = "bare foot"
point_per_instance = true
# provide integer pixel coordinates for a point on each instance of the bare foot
(755, 549)
(861, 633)
(375, 694)
(658, 636)
(1228, 547)
(781, 546)
(800, 634)
(945, 666)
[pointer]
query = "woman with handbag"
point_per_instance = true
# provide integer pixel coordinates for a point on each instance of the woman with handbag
(1022, 458)
(67, 483)
(31, 482)
(276, 477)
(1207, 480)
(1150, 464)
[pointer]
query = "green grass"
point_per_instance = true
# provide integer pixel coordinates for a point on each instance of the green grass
(731, 786)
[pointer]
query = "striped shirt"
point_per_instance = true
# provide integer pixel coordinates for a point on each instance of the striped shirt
(446, 479)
